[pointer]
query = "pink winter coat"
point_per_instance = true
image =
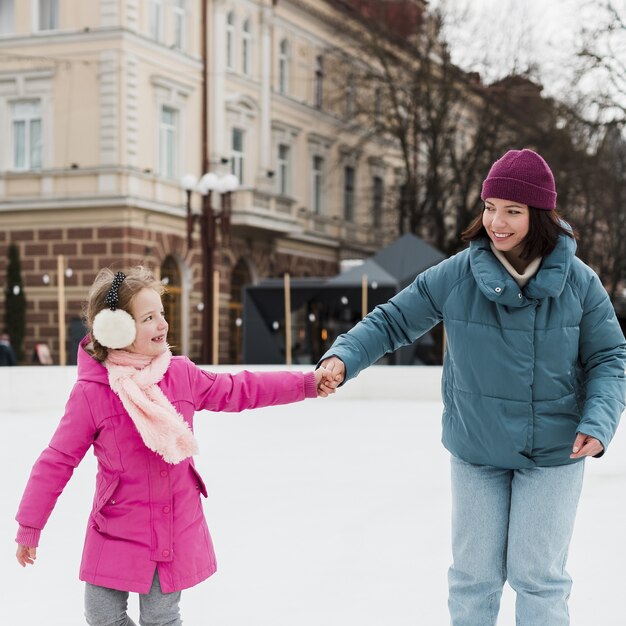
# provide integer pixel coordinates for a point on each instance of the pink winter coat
(146, 513)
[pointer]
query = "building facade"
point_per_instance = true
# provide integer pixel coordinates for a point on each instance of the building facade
(101, 103)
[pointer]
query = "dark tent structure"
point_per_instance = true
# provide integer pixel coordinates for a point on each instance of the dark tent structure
(323, 308)
(407, 257)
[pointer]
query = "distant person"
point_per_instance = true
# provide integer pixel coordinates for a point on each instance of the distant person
(7, 354)
(533, 382)
(134, 403)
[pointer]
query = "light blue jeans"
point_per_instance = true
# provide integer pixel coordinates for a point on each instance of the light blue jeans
(513, 525)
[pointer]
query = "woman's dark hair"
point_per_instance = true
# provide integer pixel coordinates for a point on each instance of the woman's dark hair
(544, 229)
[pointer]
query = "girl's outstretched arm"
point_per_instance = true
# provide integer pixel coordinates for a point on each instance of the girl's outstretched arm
(248, 390)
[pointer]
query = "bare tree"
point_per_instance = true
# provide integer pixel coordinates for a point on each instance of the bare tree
(602, 59)
(399, 87)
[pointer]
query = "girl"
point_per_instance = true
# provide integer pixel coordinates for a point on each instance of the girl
(533, 382)
(134, 403)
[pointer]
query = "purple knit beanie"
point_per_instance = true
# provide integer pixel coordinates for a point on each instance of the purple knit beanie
(522, 176)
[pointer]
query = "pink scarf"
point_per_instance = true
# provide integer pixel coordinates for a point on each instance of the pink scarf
(134, 377)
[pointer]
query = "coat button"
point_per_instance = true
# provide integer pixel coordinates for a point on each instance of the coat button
(166, 509)
(165, 553)
(520, 296)
(163, 473)
(112, 501)
(498, 289)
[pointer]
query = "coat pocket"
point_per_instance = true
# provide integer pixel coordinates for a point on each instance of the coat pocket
(106, 497)
(199, 482)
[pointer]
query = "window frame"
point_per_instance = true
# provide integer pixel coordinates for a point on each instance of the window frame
(318, 83)
(169, 137)
(156, 8)
(317, 183)
(283, 66)
(29, 147)
(179, 11)
(283, 166)
(349, 188)
(246, 46)
(237, 157)
(38, 14)
(9, 16)
(230, 40)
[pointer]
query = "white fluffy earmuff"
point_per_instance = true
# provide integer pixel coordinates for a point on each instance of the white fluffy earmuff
(114, 328)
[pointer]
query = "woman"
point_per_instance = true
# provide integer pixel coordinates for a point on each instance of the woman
(533, 382)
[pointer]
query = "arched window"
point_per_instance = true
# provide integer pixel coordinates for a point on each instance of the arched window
(171, 278)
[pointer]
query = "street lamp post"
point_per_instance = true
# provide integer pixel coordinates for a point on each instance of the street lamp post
(208, 220)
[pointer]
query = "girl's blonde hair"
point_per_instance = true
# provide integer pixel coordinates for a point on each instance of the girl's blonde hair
(137, 278)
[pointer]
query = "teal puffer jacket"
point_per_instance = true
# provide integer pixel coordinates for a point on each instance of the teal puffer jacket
(524, 369)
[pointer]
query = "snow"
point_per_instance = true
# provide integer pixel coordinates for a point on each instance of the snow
(329, 511)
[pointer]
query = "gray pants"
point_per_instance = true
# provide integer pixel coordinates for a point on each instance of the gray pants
(107, 607)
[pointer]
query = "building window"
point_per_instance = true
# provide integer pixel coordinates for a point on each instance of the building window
(283, 180)
(283, 66)
(7, 17)
(156, 19)
(179, 24)
(246, 43)
(48, 14)
(377, 201)
(318, 181)
(318, 96)
(236, 154)
(26, 124)
(348, 193)
(168, 142)
(230, 40)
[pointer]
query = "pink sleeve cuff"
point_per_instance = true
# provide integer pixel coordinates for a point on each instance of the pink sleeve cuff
(27, 536)
(310, 386)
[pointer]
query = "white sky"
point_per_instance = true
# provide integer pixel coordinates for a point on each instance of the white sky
(496, 36)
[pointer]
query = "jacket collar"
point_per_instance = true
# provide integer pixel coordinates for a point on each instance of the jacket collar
(499, 286)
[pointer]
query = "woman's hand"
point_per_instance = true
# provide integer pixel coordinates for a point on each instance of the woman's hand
(26, 555)
(584, 445)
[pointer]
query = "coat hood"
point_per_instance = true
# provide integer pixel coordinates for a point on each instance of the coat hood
(88, 368)
(499, 286)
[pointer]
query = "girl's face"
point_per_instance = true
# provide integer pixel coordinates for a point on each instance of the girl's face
(147, 309)
(506, 223)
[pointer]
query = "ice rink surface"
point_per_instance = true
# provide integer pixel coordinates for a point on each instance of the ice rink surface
(329, 512)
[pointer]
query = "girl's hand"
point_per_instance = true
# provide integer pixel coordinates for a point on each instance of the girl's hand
(584, 445)
(325, 383)
(26, 555)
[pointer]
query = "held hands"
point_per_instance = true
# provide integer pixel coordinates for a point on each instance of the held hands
(26, 555)
(334, 373)
(584, 445)
(323, 380)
